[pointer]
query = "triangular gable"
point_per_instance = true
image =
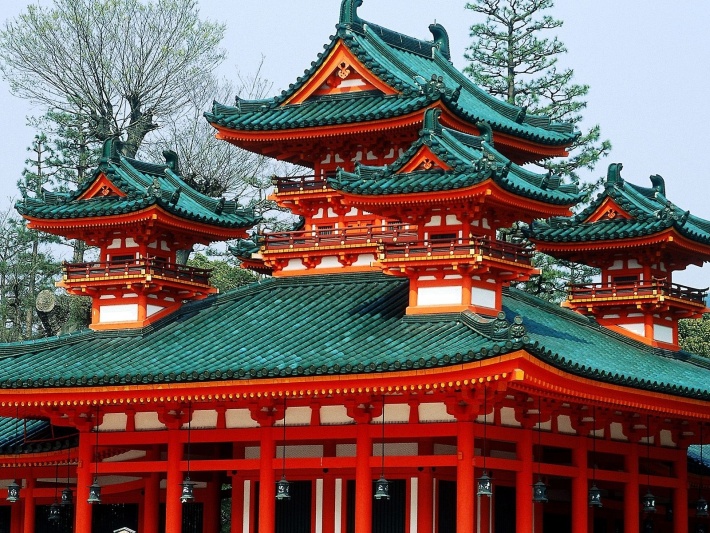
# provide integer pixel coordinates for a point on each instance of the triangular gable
(101, 188)
(340, 73)
(608, 210)
(424, 159)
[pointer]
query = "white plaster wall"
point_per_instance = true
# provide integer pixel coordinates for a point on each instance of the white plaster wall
(118, 313)
(439, 296)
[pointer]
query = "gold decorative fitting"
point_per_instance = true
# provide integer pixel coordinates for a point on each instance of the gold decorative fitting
(343, 70)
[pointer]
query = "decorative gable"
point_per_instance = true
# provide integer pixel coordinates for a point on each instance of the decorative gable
(608, 210)
(340, 73)
(424, 159)
(102, 188)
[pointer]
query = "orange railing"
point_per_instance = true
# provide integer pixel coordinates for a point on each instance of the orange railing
(340, 236)
(299, 183)
(142, 266)
(483, 246)
(660, 287)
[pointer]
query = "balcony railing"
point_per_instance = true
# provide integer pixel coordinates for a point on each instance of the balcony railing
(389, 233)
(299, 183)
(483, 246)
(655, 287)
(136, 267)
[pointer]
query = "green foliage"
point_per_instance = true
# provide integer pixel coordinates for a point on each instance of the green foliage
(226, 272)
(511, 57)
(555, 275)
(694, 335)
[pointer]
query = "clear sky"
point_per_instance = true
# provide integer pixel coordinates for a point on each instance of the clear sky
(647, 62)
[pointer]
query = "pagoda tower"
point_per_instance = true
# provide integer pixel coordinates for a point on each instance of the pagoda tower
(138, 215)
(362, 103)
(637, 238)
(456, 191)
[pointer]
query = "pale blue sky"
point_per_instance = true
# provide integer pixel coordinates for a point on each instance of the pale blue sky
(647, 62)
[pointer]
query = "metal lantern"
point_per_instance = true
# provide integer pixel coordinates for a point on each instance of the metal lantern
(701, 507)
(67, 497)
(283, 489)
(649, 503)
(95, 492)
(485, 485)
(540, 492)
(595, 496)
(13, 492)
(187, 494)
(382, 489)
(54, 512)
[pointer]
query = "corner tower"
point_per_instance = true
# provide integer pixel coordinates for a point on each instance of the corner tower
(638, 238)
(138, 215)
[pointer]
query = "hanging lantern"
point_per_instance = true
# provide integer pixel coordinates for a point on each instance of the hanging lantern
(540, 492)
(485, 485)
(95, 492)
(67, 498)
(382, 489)
(701, 507)
(54, 512)
(187, 494)
(13, 492)
(283, 489)
(649, 503)
(595, 496)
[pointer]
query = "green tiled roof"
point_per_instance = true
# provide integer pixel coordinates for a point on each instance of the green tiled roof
(31, 435)
(650, 209)
(144, 185)
(276, 328)
(421, 72)
(472, 161)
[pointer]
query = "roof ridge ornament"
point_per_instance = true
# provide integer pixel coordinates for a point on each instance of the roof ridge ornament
(172, 161)
(659, 184)
(485, 131)
(348, 13)
(613, 175)
(431, 120)
(441, 39)
(111, 150)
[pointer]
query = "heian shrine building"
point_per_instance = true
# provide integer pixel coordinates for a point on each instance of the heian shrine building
(383, 376)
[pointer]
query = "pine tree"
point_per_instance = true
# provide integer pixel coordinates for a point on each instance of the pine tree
(513, 59)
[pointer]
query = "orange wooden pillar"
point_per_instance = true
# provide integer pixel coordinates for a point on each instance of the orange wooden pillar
(465, 486)
(237, 516)
(212, 505)
(631, 490)
(28, 522)
(523, 483)
(84, 473)
(151, 498)
(363, 480)
(16, 517)
(267, 494)
(580, 504)
(680, 494)
(173, 489)
(425, 494)
(328, 506)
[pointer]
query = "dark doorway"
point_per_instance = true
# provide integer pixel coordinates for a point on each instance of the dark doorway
(294, 515)
(504, 512)
(191, 519)
(446, 503)
(388, 516)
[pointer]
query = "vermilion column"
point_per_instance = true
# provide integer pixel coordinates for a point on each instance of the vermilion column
(425, 496)
(84, 473)
(29, 509)
(237, 519)
(328, 525)
(173, 490)
(631, 490)
(151, 497)
(363, 480)
(151, 503)
(267, 494)
(580, 504)
(16, 517)
(680, 494)
(523, 483)
(211, 506)
(465, 493)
